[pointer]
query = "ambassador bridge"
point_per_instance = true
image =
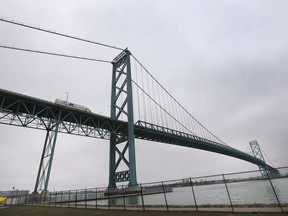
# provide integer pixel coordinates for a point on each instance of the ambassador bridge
(141, 108)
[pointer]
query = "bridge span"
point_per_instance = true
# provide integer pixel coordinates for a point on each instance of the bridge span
(165, 119)
(26, 111)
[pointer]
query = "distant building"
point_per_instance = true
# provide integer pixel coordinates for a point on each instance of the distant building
(14, 193)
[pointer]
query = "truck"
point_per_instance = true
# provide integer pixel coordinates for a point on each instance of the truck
(73, 105)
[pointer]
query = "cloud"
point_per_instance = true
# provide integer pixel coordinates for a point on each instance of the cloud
(224, 61)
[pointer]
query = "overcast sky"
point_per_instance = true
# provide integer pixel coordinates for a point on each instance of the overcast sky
(225, 61)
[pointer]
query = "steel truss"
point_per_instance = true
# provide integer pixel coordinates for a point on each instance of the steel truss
(155, 133)
(122, 146)
(20, 110)
(44, 170)
(258, 154)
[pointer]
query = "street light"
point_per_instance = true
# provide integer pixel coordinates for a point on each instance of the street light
(67, 94)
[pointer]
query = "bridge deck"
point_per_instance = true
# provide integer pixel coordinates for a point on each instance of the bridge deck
(21, 110)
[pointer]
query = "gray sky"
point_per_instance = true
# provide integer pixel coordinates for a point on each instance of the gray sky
(224, 61)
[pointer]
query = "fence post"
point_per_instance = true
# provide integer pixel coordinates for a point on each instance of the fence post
(193, 192)
(25, 203)
(165, 196)
(55, 198)
(34, 199)
(40, 199)
(142, 198)
(49, 202)
(96, 198)
(76, 199)
(61, 198)
(228, 193)
(109, 204)
(123, 192)
(23, 200)
(85, 198)
(69, 198)
(274, 191)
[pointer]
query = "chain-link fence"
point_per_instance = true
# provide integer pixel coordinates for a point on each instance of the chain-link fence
(234, 192)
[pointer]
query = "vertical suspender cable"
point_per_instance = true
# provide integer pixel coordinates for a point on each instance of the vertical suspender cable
(156, 107)
(143, 86)
(162, 123)
(148, 100)
(138, 99)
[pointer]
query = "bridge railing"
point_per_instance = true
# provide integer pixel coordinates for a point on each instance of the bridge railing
(233, 192)
(162, 129)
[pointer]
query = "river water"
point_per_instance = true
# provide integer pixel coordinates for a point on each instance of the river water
(255, 192)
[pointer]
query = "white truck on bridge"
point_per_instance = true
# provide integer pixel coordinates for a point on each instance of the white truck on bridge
(73, 105)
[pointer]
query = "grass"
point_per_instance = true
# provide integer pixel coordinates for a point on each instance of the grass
(48, 211)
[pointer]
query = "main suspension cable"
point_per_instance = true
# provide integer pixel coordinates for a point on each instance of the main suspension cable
(54, 54)
(58, 33)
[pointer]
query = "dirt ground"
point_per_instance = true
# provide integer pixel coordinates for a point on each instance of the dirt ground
(47, 211)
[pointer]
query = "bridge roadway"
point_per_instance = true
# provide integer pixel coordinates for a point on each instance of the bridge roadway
(21, 110)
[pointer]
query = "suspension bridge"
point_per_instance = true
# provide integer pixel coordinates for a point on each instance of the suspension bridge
(141, 108)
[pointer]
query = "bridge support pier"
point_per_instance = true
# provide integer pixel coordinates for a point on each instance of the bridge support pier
(265, 170)
(44, 170)
(122, 164)
(258, 154)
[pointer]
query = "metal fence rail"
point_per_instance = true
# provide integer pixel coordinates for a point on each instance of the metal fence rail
(234, 192)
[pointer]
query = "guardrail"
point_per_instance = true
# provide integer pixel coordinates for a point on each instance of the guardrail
(233, 192)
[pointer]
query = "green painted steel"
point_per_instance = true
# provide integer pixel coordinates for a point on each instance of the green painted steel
(131, 140)
(155, 133)
(55, 132)
(22, 110)
(46, 161)
(122, 107)
(264, 168)
(38, 179)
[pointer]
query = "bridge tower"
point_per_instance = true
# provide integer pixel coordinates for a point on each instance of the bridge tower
(45, 166)
(258, 154)
(122, 164)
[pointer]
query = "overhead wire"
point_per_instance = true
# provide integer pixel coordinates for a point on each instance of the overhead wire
(58, 33)
(180, 115)
(54, 54)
